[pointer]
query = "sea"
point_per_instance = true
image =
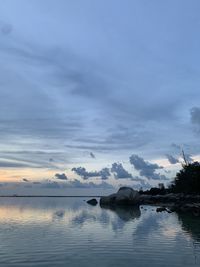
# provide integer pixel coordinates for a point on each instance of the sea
(67, 231)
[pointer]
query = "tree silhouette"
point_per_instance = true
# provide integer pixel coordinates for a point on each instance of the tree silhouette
(187, 180)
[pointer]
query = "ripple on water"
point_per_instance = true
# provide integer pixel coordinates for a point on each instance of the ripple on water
(61, 232)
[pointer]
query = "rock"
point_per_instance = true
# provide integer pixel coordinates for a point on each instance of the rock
(108, 200)
(183, 207)
(92, 202)
(124, 196)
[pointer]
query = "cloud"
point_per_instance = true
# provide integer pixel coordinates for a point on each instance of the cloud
(138, 184)
(4, 163)
(137, 179)
(119, 171)
(141, 182)
(145, 185)
(92, 155)
(81, 171)
(172, 159)
(195, 116)
(61, 176)
(146, 168)
(78, 99)
(49, 184)
(5, 28)
(33, 157)
(25, 180)
(177, 147)
(78, 184)
(104, 173)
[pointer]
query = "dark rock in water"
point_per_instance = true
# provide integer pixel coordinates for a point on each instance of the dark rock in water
(161, 209)
(92, 202)
(183, 207)
(125, 196)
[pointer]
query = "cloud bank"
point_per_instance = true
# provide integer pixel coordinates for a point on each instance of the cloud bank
(146, 168)
(119, 171)
(81, 171)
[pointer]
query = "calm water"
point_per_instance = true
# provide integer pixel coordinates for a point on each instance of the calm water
(69, 232)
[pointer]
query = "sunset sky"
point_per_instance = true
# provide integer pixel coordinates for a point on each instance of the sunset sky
(95, 94)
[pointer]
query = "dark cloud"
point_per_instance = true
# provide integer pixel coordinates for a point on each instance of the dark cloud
(78, 184)
(146, 168)
(195, 116)
(92, 155)
(137, 179)
(36, 182)
(33, 158)
(140, 183)
(25, 180)
(172, 159)
(13, 164)
(5, 28)
(64, 93)
(145, 185)
(119, 171)
(195, 120)
(104, 173)
(177, 147)
(81, 171)
(50, 185)
(61, 176)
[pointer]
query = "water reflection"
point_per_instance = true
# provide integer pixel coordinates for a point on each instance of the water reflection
(59, 214)
(62, 232)
(191, 225)
(124, 213)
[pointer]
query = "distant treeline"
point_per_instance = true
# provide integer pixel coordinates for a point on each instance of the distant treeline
(187, 181)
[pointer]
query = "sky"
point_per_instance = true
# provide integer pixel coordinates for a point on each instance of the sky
(97, 94)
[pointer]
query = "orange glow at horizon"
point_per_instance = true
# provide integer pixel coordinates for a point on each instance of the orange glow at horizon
(17, 174)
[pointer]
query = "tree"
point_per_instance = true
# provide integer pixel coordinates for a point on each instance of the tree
(187, 180)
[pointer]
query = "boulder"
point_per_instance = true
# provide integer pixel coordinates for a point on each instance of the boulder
(92, 202)
(124, 196)
(108, 200)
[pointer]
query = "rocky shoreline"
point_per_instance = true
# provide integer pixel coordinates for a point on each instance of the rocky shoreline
(126, 196)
